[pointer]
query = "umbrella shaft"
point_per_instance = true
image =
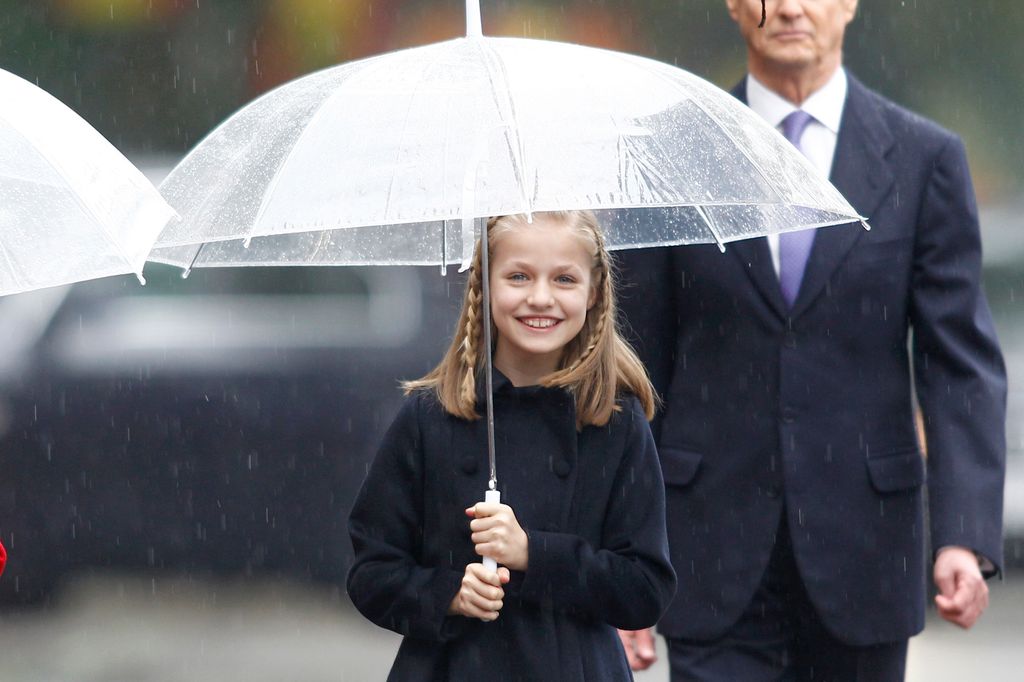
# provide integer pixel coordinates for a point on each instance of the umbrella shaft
(485, 273)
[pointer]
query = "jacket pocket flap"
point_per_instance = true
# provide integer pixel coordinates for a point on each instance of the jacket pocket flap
(900, 470)
(678, 467)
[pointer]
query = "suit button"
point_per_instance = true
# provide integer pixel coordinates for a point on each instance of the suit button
(469, 465)
(562, 468)
(773, 491)
(789, 414)
(789, 340)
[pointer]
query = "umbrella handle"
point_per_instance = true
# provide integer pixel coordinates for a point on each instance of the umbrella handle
(491, 496)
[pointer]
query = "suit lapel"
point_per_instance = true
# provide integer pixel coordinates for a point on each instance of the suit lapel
(862, 175)
(756, 259)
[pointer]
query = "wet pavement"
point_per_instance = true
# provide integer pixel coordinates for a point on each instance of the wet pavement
(114, 628)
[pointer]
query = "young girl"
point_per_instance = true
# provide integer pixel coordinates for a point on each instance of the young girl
(581, 542)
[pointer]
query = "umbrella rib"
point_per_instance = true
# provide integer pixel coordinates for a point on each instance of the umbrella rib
(287, 157)
(711, 227)
(725, 131)
(405, 127)
(516, 152)
(198, 150)
(18, 281)
(83, 205)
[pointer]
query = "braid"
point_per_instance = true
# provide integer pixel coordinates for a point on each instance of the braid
(471, 334)
(597, 330)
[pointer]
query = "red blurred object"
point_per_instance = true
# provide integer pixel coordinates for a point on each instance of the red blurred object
(3, 558)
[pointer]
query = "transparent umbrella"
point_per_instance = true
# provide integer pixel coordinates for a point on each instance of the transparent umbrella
(398, 159)
(71, 206)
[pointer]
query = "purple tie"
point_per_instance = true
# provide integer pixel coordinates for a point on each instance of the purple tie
(794, 247)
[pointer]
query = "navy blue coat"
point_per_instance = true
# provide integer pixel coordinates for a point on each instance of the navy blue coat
(810, 410)
(591, 502)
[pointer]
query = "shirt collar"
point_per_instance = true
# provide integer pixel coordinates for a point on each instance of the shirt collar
(825, 104)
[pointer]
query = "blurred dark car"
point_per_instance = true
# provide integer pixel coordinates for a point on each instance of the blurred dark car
(216, 425)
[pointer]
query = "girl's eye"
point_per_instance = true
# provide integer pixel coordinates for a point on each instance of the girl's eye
(517, 277)
(566, 279)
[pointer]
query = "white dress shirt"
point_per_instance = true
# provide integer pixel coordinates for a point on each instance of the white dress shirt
(819, 139)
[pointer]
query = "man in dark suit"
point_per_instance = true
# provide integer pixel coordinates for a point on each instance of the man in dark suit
(795, 475)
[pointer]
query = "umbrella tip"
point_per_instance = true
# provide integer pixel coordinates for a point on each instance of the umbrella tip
(186, 272)
(473, 25)
(142, 280)
(864, 223)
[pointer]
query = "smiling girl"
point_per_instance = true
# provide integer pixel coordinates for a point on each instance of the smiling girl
(581, 541)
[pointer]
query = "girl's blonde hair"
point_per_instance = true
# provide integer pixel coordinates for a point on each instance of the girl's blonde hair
(596, 365)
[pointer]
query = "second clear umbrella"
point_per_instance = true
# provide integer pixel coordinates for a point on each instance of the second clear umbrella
(72, 207)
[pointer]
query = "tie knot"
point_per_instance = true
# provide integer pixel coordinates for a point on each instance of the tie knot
(793, 126)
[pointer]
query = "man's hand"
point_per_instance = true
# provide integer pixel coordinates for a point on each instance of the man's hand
(963, 594)
(497, 534)
(639, 646)
(481, 595)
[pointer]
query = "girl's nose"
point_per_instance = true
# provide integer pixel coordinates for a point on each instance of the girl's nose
(540, 296)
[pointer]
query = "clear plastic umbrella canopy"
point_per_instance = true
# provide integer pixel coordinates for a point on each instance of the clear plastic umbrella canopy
(388, 160)
(397, 159)
(71, 206)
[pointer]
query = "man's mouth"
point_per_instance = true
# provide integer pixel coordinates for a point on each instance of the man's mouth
(791, 35)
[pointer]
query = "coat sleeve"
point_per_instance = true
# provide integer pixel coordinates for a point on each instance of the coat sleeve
(386, 582)
(959, 370)
(628, 581)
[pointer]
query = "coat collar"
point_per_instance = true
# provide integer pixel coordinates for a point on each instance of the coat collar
(860, 173)
(555, 409)
(503, 387)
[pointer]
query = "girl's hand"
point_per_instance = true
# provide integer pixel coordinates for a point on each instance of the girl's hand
(480, 595)
(497, 534)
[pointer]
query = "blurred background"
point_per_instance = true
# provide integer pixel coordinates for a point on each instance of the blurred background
(177, 460)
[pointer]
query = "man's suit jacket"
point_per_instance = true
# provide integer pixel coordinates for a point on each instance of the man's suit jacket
(809, 411)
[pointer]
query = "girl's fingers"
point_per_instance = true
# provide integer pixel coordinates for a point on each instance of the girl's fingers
(499, 520)
(493, 535)
(482, 509)
(481, 602)
(480, 595)
(482, 575)
(484, 604)
(470, 610)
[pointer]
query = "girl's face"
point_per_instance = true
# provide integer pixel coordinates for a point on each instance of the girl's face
(541, 291)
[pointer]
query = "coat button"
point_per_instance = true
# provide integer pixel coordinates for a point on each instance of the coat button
(789, 340)
(562, 468)
(469, 465)
(773, 491)
(789, 414)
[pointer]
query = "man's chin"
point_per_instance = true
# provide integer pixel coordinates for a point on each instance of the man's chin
(789, 60)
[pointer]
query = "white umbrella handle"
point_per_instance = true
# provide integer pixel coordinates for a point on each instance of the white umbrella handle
(491, 496)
